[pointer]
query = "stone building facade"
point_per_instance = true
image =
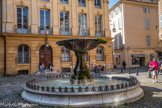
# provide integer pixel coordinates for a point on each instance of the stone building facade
(134, 27)
(26, 24)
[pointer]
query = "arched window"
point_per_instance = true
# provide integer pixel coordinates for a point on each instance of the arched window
(23, 54)
(100, 54)
(65, 55)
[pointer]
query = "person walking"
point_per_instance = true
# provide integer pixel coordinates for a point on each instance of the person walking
(124, 64)
(51, 67)
(154, 65)
(43, 68)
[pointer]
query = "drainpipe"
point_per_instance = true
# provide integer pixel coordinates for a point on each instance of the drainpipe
(1, 17)
(4, 38)
(4, 55)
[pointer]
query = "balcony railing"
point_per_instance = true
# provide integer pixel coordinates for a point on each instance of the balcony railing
(65, 31)
(22, 30)
(65, 59)
(100, 34)
(83, 32)
(43, 31)
(62, 31)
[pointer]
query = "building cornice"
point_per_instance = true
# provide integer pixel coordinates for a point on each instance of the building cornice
(58, 37)
(134, 2)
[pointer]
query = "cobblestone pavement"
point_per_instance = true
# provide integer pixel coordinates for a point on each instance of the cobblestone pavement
(11, 88)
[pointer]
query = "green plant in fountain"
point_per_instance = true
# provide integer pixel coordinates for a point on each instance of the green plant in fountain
(103, 41)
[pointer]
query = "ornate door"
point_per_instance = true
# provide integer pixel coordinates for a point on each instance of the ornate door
(45, 56)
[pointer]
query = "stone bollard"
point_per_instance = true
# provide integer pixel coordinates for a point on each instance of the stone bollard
(129, 71)
(121, 70)
(136, 71)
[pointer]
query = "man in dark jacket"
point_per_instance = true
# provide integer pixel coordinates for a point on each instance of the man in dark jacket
(124, 64)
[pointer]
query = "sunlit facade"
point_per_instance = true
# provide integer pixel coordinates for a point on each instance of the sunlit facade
(26, 24)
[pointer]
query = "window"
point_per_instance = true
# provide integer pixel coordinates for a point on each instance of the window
(147, 23)
(120, 42)
(65, 55)
(160, 21)
(82, 25)
(119, 23)
(114, 24)
(22, 20)
(97, 3)
(66, 69)
(98, 25)
(151, 57)
(45, 0)
(64, 1)
(64, 23)
(115, 43)
(100, 54)
(44, 21)
(82, 3)
(148, 40)
(135, 60)
(146, 10)
(23, 54)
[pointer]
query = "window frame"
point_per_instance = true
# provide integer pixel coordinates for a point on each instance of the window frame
(148, 40)
(64, 1)
(21, 19)
(65, 55)
(64, 30)
(45, 0)
(100, 56)
(43, 31)
(98, 32)
(96, 2)
(82, 4)
(147, 23)
(22, 59)
(83, 19)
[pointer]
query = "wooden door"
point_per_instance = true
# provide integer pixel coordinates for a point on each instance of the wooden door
(45, 56)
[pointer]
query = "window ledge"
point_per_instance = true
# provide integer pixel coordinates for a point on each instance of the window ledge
(23, 64)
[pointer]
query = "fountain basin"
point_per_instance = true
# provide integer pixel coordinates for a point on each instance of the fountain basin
(88, 96)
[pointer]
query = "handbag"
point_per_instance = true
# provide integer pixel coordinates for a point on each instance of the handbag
(151, 68)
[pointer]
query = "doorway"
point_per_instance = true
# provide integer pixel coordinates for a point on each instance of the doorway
(45, 56)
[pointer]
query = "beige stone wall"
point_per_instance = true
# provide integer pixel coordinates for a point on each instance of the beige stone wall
(55, 7)
(134, 31)
(160, 13)
(35, 42)
(1, 56)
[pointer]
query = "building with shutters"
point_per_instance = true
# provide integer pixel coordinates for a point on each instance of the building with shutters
(26, 25)
(134, 26)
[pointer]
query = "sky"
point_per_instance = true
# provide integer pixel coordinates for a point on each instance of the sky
(112, 2)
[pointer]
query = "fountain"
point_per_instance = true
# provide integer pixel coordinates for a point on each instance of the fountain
(82, 89)
(80, 47)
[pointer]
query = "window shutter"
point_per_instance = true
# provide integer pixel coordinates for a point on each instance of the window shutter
(160, 21)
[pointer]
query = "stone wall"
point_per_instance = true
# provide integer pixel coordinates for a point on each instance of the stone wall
(35, 42)
(1, 56)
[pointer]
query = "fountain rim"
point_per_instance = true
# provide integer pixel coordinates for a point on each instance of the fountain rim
(133, 79)
(82, 93)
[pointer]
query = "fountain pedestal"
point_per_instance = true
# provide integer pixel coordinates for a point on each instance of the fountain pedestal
(80, 47)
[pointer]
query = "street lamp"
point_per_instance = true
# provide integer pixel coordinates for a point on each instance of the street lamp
(46, 39)
(128, 60)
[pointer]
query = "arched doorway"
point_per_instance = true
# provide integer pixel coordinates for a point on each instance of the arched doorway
(45, 56)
